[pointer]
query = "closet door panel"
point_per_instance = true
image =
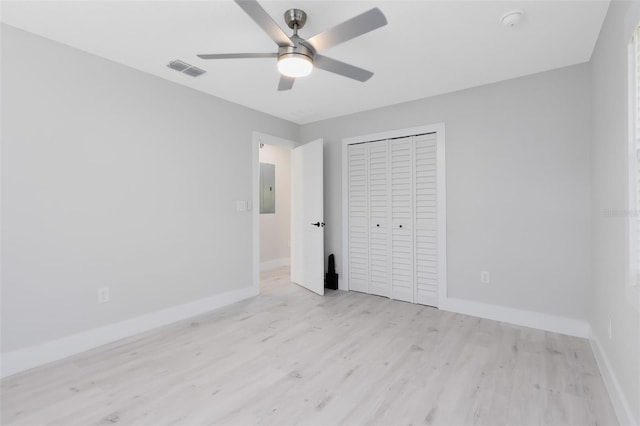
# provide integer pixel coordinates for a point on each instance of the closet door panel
(358, 219)
(400, 161)
(426, 235)
(379, 251)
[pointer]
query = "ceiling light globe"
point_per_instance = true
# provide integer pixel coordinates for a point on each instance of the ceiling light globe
(295, 65)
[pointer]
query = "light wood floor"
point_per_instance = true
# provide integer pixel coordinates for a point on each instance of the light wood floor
(291, 357)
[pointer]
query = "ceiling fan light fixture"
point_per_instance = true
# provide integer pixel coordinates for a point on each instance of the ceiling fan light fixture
(295, 65)
(298, 56)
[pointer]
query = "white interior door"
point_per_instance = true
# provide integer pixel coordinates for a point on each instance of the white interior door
(378, 211)
(402, 282)
(358, 224)
(307, 220)
(426, 219)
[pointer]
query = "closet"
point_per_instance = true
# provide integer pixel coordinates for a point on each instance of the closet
(392, 231)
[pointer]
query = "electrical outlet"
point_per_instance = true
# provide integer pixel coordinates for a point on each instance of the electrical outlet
(485, 277)
(610, 329)
(103, 294)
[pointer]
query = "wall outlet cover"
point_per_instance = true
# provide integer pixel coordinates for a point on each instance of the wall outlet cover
(103, 295)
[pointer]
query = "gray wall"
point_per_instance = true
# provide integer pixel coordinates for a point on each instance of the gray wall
(609, 182)
(517, 166)
(112, 177)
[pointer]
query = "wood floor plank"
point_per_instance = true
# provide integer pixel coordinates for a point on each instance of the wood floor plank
(290, 357)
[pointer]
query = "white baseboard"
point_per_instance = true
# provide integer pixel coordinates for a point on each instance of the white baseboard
(620, 403)
(273, 264)
(34, 356)
(547, 322)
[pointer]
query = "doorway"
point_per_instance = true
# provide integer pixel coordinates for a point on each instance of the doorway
(275, 208)
(306, 234)
(272, 201)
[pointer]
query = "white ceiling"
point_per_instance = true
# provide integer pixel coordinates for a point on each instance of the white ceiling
(428, 47)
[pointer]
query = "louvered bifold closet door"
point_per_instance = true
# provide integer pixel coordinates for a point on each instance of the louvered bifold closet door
(426, 209)
(378, 173)
(358, 215)
(402, 285)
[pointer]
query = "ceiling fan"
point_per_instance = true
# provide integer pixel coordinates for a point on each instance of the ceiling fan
(297, 56)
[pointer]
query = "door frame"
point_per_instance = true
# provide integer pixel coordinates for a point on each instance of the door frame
(439, 129)
(257, 139)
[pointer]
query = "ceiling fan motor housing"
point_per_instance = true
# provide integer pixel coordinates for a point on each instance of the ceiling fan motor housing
(297, 49)
(295, 19)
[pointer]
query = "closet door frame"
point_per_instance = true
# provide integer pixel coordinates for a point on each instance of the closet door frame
(439, 130)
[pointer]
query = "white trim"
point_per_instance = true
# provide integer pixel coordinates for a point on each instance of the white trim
(620, 404)
(632, 290)
(442, 215)
(398, 133)
(547, 322)
(439, 129)
(34, 356)
(343, 280)
(256, 139)
(275, 263)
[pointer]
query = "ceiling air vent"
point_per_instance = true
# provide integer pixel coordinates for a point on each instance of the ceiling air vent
(194, 71)
(178, 65)
(185, 68)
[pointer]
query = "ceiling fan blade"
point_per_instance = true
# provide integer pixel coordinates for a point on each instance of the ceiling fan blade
(237, 55)
(352, 28)
(286, 83)
(341, 68)
(262, 18)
